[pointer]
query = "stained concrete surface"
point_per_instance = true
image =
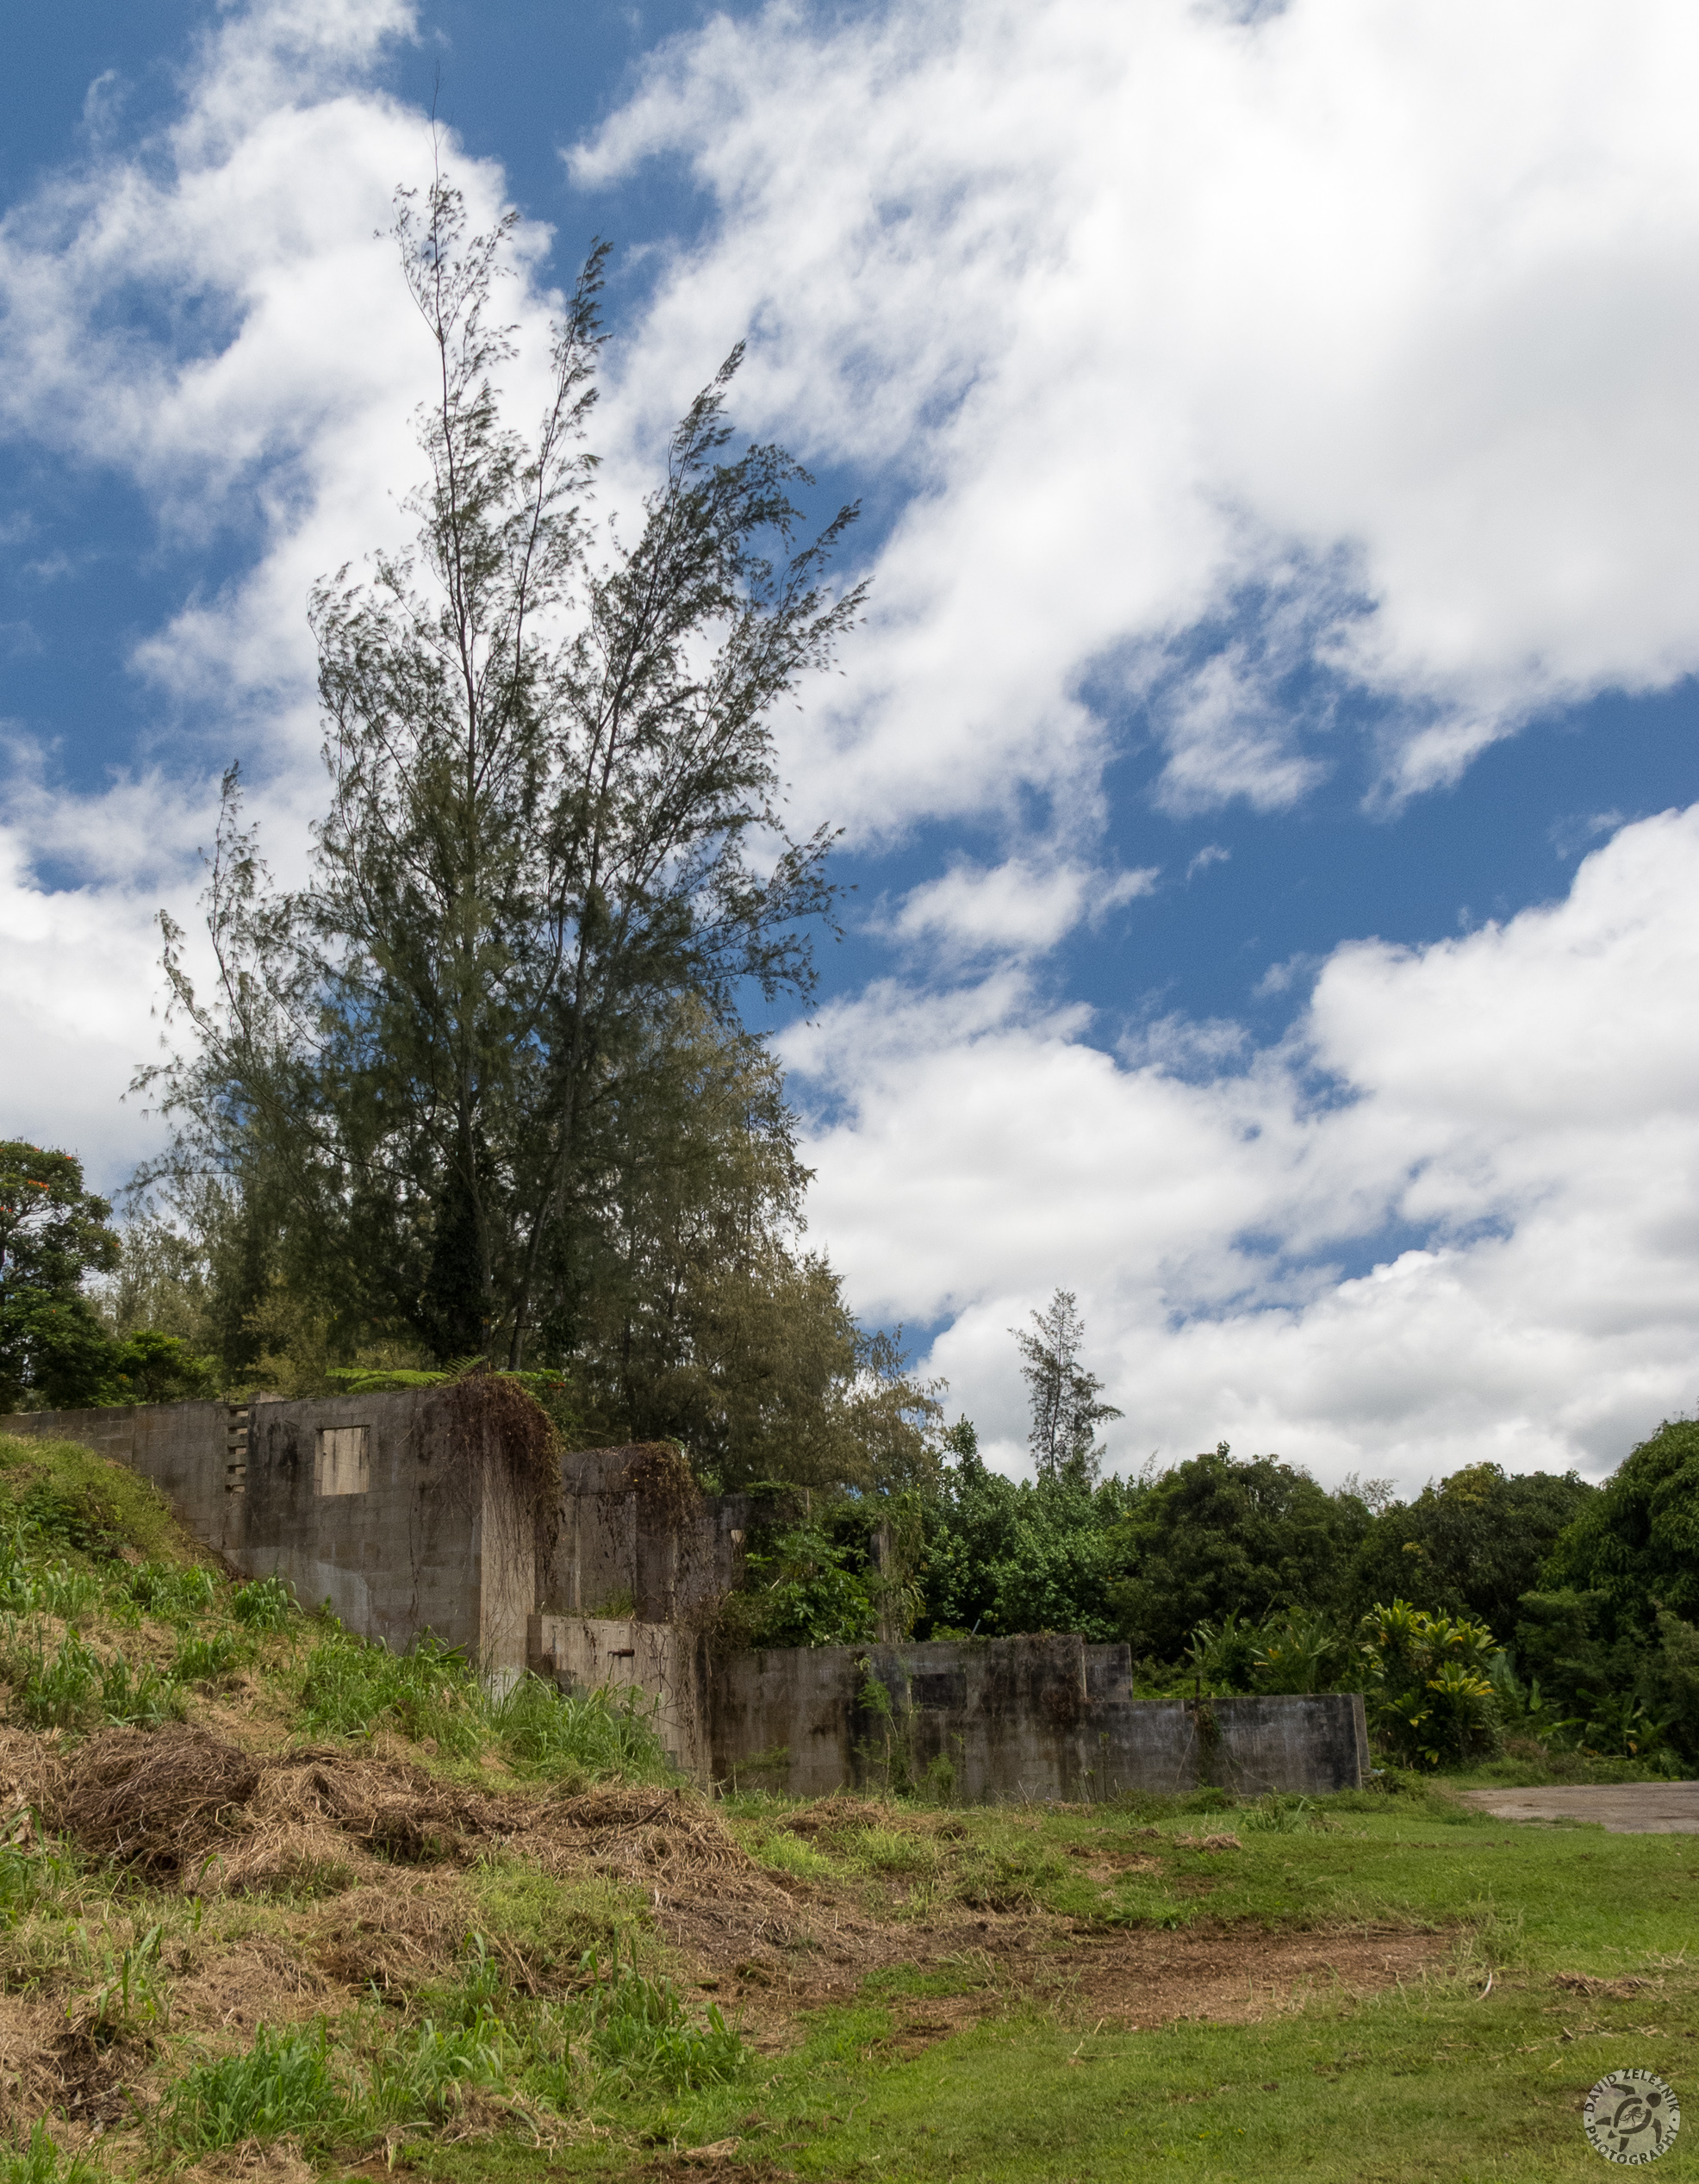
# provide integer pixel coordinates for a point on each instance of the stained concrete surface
(1622, 1809)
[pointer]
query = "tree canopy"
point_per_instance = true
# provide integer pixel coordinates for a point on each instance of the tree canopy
(482, 1087)
(56, 1351)
(1216, 1537)
(1473, 1544)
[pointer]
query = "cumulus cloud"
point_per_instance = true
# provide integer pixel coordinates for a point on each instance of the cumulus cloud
(1015, 909)
(1501, 1132)
(1337, 342)
(1260, 378)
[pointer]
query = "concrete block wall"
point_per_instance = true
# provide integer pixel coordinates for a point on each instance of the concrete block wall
(194, 1452)
(669, 1666)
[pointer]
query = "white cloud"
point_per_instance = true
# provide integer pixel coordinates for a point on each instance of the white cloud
(1231, 367)
(1352, 341)
(1015, 909)
(1518, 1109)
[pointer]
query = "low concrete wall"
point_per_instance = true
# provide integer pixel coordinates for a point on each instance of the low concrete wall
(1045, 1717)
(667, 1664)
(1048, 1717)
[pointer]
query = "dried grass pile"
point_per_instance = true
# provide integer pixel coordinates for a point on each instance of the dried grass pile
(671, 1833)
(179, 1803)
(156, 1800)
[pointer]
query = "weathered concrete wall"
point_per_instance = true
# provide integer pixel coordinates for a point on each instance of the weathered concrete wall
(195, 1453)
(371, 1503)
(1018, 1717)
(624, 1549)
(435, 1542)
(430, 1541)
(669, 1666)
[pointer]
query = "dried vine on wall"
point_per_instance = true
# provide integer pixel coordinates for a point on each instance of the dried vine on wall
(499, 1433)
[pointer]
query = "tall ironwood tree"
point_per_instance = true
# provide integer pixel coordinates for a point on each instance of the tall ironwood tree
(554, 810)
(1066, 1399)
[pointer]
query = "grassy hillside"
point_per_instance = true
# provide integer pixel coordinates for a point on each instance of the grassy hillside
(272, 1900)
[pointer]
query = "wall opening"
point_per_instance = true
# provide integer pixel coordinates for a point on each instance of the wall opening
(343, 1462)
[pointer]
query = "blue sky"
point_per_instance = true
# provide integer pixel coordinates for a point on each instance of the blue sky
(1276, 447)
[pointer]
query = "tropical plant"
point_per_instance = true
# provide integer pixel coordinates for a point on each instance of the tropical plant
(1429, 1685)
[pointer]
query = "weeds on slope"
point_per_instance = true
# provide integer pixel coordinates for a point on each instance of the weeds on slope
(622, 2030)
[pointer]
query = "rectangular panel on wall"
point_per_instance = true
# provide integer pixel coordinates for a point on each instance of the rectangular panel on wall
(342, 1463)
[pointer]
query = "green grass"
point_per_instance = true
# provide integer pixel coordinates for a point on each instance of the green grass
(38, 2161)
(1429, 2084)
(350, 1686)
(1475, 2069)
(283, 2084)
(579, 1735)
(66, 1493)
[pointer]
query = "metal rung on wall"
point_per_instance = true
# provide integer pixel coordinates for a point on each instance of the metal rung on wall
(236, 1450)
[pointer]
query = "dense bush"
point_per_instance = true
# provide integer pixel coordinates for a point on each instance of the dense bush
(1471, 1545)
(1001, 1556)
(1216, 1537)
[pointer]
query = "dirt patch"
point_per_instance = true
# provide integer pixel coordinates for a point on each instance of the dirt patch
(1617, 1990)
(1138, 1982)
(278, 2163)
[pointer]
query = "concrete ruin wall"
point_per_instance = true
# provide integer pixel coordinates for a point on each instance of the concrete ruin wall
(622, 1552)
(1013, 1717)
(983, 1722)
(424, 1540)
(392, 1536)
(667, 1664)
(367, 1503)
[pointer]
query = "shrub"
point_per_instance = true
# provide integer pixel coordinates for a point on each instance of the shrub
(130, 1994)
(45, 1588)
(636, 2025)
(26, 1877)
(173, 1594)
(419, 2079)
(1429, 1693)
(811, 1593)
(202, 1659)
